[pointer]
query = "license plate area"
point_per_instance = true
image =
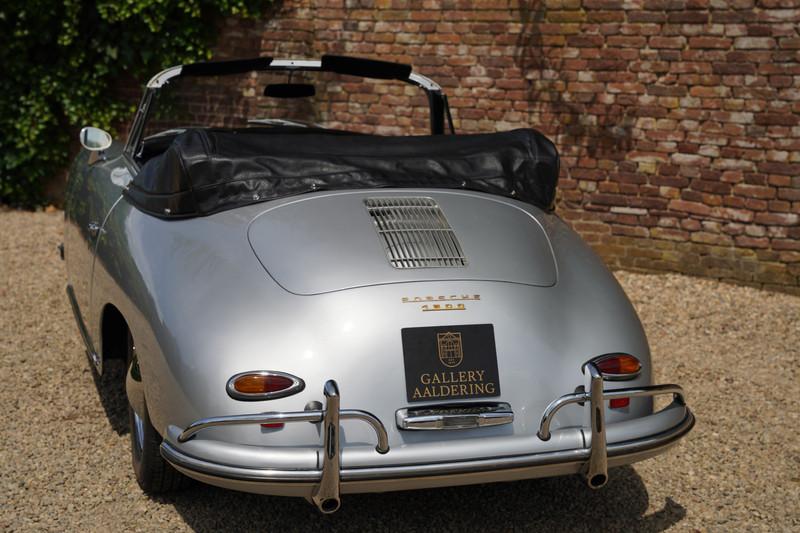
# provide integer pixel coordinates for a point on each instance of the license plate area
(450, 362)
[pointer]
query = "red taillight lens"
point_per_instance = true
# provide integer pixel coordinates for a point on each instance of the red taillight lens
(272, 426)
(261, 383)
(618, 365)
(619, 403)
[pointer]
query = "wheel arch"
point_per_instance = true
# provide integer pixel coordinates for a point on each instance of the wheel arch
(113, 333)
(114, 337)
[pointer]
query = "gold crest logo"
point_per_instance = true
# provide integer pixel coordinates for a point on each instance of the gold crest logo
(451, 352)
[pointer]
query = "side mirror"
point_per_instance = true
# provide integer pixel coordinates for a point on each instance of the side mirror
(95, 139)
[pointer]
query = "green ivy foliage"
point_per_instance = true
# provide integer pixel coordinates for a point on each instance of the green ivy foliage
(63, 61)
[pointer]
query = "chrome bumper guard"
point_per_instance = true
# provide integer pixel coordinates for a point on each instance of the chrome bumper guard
(596, 469)
(326, 492)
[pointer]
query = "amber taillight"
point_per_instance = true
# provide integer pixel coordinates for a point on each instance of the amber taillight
(263, 385)
(618, 366)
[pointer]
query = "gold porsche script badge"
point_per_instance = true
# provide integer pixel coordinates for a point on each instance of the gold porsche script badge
(442, 302)
(451, 352)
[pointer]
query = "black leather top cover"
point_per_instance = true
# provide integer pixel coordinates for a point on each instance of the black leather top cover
(205, 171)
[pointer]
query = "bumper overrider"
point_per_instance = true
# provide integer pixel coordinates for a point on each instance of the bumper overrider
(324, 486)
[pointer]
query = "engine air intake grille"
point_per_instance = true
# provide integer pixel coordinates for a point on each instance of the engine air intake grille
(415, 233)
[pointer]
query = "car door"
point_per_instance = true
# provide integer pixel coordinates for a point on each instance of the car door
(95, 183)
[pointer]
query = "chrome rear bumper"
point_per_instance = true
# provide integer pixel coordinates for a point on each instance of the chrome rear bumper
(323, 486)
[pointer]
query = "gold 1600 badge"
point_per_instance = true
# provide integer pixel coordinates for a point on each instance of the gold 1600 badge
(451, 352)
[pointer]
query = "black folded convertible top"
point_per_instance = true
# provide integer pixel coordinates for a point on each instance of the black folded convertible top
(205, 171)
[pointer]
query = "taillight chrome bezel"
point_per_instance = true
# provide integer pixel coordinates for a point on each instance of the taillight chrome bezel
(607, 376)
(296, 386)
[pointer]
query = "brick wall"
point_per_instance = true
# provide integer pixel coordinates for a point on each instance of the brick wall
(678, 121)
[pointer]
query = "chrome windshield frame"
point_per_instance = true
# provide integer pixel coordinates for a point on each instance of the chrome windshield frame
(436, 99)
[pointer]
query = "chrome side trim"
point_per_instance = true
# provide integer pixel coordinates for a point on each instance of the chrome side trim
(94, 357)
(296, 386)
(455, 417)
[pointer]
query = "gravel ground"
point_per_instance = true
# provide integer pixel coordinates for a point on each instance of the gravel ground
(65, 450)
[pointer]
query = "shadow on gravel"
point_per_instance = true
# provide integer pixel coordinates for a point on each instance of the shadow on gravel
(556, 504)
(111, 391)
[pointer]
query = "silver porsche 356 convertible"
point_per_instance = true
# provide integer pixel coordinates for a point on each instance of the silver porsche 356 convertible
(310, 312)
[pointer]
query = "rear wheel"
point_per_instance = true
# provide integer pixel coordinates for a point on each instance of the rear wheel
(153, 473)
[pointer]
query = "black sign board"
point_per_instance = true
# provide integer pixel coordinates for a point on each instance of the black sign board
(450, 362)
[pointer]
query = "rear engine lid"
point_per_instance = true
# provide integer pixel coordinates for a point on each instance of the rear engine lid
(346, 240)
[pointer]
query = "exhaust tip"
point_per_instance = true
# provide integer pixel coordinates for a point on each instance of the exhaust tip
(331, 505)
(597, 481)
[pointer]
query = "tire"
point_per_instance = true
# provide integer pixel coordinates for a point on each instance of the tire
(154, 474)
